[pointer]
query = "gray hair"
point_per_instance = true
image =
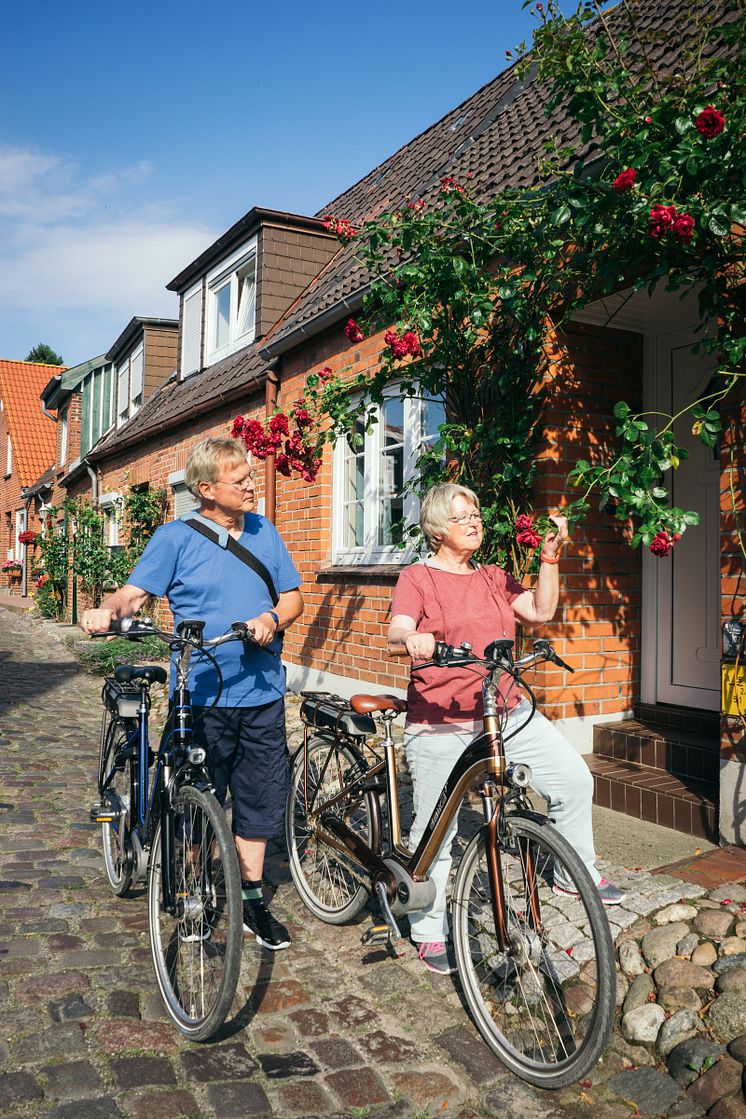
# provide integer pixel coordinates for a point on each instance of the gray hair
(208, 458)
(437, 507)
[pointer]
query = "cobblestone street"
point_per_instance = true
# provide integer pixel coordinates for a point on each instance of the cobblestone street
(326, 1028)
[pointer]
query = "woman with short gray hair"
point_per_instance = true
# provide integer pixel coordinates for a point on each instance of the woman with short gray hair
(450, 597)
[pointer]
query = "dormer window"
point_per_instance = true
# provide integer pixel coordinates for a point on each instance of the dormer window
(129, 385)
(231, 304)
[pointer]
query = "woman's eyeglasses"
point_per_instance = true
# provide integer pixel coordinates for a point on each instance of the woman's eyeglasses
(466, 519)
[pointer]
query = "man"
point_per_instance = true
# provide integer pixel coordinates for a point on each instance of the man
(245, 734)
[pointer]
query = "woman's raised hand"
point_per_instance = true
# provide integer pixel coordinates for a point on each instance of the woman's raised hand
(555, 541)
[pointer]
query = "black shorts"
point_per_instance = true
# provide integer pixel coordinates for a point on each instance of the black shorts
(247, 753)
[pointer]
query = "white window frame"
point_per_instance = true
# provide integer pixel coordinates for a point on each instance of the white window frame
(111, 506)
(9, 457)
(20, 527)
(372, 553)
(227, 273)
(191, 331)
(63, 439)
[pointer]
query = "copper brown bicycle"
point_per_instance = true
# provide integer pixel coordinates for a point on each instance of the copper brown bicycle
(536, 970)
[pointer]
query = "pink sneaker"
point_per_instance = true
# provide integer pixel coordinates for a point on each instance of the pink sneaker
(608, 892)
(437, 957)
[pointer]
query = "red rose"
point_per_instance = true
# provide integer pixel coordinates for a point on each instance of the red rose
(662, 543)
(353, 331)
(237, 427)
(343, 229)
(302, 417)
(525, 533)
(448, 185)
(325, 374)
(625, 180)
(683, 226)
(710, 122)
(661, 220)
(278, 425)
(282, 465)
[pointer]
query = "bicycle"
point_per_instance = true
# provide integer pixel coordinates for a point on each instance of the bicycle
(160, 820)
(544, 1007)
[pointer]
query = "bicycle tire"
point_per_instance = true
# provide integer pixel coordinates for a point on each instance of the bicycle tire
(114, 788)
(331, 884)
(546, 1013)
(197, 950)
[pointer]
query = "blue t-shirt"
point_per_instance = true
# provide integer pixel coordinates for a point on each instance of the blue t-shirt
(202, 580)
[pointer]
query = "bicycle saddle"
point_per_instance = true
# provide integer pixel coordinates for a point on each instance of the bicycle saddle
(129, 673)
(364, 704)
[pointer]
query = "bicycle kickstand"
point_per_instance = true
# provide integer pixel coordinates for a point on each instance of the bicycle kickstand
(387, 932)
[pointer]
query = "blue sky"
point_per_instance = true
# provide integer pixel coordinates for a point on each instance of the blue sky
(131, 136)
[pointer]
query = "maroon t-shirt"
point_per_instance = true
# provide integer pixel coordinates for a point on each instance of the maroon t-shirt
(473, 607)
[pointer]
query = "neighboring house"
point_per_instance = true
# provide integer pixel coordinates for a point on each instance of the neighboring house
(27, 450)
(643, 635)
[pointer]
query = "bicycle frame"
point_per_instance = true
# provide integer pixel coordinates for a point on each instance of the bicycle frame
(485, 754)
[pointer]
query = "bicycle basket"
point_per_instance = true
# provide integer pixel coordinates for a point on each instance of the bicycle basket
(121, 699)
(331, 712)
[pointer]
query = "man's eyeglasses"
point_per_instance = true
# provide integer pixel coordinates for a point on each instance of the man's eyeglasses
(246, 484)
(466, 519)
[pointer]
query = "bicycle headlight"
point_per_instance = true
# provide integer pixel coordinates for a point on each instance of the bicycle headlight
(519, 775)
(196, 755)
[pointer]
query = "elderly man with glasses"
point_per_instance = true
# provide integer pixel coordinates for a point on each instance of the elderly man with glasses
(244, 734)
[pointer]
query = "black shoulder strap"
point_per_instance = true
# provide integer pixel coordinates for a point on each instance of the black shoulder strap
(241, 553)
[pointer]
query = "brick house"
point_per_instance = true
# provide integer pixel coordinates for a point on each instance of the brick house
(644, 636)
(27, 446)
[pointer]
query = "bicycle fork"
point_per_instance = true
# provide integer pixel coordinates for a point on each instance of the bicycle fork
(492, 817)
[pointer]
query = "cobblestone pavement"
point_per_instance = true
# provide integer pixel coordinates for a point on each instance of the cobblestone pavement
(327, 1028)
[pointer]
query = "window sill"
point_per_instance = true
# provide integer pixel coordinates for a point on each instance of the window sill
(365, 572)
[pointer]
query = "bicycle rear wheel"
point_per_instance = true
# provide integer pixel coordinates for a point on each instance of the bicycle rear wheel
(545, 1006)
(197, 948)
(114, 786)
(331, 884)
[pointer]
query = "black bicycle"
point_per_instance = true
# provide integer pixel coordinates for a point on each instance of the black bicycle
(537, 969)
(160, 820)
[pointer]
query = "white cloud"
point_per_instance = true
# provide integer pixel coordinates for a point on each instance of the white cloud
(78, 248)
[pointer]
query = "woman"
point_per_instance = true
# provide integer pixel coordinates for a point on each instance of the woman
(450, 597)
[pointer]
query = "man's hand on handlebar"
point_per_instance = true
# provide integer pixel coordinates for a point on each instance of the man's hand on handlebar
(96, 621)
(262, 629)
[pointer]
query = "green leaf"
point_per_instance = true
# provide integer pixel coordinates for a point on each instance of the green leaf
(621, 410)
(718, 225)
(561, 214)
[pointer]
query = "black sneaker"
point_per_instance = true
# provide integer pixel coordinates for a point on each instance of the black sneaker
(268, 931)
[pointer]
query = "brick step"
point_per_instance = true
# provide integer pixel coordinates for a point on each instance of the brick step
(688, 718)
(652, 794)
(686, 752)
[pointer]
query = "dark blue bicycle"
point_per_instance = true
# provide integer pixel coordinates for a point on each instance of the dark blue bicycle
(160, 820)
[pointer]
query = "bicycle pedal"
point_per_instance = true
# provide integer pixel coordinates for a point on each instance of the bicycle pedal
(100, 815)
(377, 934)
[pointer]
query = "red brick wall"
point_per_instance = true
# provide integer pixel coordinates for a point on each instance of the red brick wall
(733, 577)
(10, 501)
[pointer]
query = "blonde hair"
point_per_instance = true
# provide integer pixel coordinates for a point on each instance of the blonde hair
(208, 458)
(437, 507)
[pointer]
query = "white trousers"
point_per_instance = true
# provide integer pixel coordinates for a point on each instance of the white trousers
(560, 775)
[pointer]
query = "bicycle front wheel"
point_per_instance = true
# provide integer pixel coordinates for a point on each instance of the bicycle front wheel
(114, 785)
(196, 942)
(331, 884)
(545, 1003)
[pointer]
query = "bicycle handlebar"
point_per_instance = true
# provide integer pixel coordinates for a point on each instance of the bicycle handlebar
(497, 655)
(143, 627)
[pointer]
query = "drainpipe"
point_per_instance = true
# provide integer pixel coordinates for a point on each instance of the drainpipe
(24, 572)
(270, 475)
(48, 414)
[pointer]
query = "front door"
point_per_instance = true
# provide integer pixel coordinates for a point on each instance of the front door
(687, 582)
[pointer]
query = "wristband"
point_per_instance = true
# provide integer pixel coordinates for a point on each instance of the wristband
(543, 558)
(274, 617)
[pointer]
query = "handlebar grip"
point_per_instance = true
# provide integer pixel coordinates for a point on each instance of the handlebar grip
(441, 653)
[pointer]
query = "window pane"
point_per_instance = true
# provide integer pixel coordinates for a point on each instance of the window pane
(246, 298)
(434, 414)
(391, 483)
(222, 316)
(353, 508)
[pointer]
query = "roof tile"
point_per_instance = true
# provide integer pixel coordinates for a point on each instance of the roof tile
(33, 435)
